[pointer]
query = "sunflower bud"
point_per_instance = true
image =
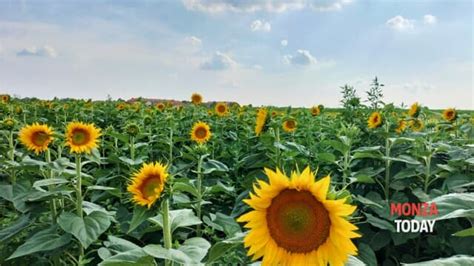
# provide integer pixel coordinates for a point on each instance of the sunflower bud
(132, 129)
(8, 123)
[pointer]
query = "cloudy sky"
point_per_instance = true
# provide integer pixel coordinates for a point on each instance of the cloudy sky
(292, 52)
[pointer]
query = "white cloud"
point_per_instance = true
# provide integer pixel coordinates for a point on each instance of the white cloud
(284, 42)
(45, 51)
(193, 40)
(261, 25)
(257, 67)
(400, 23)
(274, 6)
(219, 61)
(429, 19)
(301, 58)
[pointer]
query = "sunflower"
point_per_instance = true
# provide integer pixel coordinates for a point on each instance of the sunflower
(121, 106)
(414, 110)
(293, 223)
(196, 98)
(260, 121)
(450, 114)
(160, 106)
(221, 109)
(36, 137)
(402, 125)
(375, 120)
(274, 113)
(5, 98)
(81, 137)
(315, 111)
(289, 125)
(9, 123)
(416, 125)
(148, 183)
(201, 132)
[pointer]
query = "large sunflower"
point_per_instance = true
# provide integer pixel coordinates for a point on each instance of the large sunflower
(375, 120)
(196, 98)
(148, 183)
(289, 125)
(221, 109)
(260, 121)
(414, 110)
(315, 110)
(81, 137)
(36, 137)
(292, 222)
(450, 114)
(201, 132)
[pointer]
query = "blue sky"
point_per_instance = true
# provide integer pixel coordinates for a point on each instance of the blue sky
(293, 52)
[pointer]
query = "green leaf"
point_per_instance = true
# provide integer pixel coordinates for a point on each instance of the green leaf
(221, 248)
(136, 257)
(185, 187)
(453, 205)
(48, 182)
(337, 145)
(367, 255)
(192, 251)
(178, 218)
(44, 240)
(140, 214)
(379, 223)
(101, 188)
(354, 261)
(20, 224)
(87, 229)
(326, 157)
(465, 232)
(212, 165)
(196, 248)
(457, 260)
(405, 173)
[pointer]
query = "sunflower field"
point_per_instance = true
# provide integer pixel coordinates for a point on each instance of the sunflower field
(147, 182)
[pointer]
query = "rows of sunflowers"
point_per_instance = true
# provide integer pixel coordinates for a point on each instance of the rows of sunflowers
(152, 183)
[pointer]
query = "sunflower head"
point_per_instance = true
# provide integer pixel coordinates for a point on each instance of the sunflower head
(274, 113)
(293, 222)
(5, 98)
(36, 137)
(416, 125)
(121, 106)
(196, 98)
(315, 110)
(260, 121)
(414, 110)
(221, 109)
(402, 125)
(147, 120)
(201, 132)
(450, 114)
(375, 120)
(160, 106)
(289, 125)
(19, 110)
(8, 123)
(148, 183)
(81, 137)
(132, 129)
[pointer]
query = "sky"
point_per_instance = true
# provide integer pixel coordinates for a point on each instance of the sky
(262, 52)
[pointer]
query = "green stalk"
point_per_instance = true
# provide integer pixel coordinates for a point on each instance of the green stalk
(428, 168)
(166, 228)
(388, 163)
(52, 203)
(170, 155)
(79, 196)
(12, 155)
(132, 148)
(199, 189)
(277, 138)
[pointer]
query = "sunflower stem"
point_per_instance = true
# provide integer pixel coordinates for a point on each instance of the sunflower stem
(12, 156)
(132, 148)
(166, 227)
(79, 196)
(52, 203)
(199, 189)
(170, 155)
(388, 163)
(277, 139)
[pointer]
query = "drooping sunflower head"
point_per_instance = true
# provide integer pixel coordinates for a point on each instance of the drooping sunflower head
(375, 120)
(148, 183)
(201, 132)
(36, 137)
(221, 109)
(414, 110)
(293, 222)
(196, 98)
(402, 125)
(260, 121)
(82, 137)
(160, 106)
(450, 114)
(5, 98)
(8, 123)
(416, 125)
(315, 111)
(289, 125)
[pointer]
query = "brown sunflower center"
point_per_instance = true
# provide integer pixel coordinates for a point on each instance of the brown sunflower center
(196, 99)
(80, 137)
(150, 185)
(201, 132)
(297, 221)
(450, 114)
(221, 109)
(39, 138)
(376, 119)
(290, 124)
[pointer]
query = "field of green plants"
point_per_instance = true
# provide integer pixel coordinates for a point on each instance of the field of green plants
(154, 183)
